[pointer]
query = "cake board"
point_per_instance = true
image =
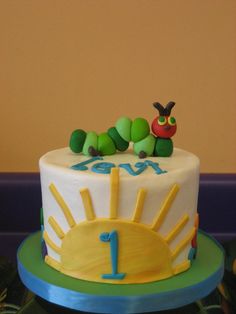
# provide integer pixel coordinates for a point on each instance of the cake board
(203, 276)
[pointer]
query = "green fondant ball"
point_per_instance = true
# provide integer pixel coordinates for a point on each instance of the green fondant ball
(77, 140)
(164, 147)
(91, 140)
(146, 145)
(119, 142)
(41, 217)
(123, 126)
(106, 145)
(139, 130)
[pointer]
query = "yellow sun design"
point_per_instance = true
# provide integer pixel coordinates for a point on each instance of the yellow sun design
(136, 252)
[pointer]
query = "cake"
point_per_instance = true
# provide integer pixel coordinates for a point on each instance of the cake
(119, 213)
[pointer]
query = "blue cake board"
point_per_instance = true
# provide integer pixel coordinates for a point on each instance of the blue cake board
(204, 275)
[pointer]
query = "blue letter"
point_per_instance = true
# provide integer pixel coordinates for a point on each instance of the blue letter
(140, 165)
(155, 166)
(103, 167)
(81, 166)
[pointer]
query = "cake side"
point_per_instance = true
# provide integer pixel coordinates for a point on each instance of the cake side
(117, 218)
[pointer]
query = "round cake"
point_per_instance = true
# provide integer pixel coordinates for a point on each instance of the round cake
(118, 218)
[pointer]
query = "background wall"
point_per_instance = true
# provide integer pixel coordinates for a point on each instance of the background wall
(82, 64)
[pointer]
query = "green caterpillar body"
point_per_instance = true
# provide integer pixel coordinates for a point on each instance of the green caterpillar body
(117, 138)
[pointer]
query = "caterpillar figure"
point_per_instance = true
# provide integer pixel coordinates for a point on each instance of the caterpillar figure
(125, 131)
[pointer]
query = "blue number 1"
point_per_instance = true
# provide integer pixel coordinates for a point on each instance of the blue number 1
(112, 237)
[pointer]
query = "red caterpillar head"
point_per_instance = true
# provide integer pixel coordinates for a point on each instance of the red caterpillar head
(164, 125)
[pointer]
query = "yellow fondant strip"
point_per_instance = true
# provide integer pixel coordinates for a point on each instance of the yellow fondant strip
(88, 206)
(56, 227)
(183, 243)
(177, 229)
(139, 205)
(52, 262)
(63, 205)
(114, 190)
(196, 223)
(181, 267)
(51, 243)
(158, 220)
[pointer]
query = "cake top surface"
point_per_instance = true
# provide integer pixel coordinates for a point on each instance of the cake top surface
(130, 165)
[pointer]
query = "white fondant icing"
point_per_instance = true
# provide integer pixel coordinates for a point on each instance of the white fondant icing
(182, 169)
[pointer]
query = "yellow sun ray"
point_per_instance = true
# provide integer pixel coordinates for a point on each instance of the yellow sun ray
(177, 228)
(52, 262)
(183, 243)
(139, 205)
(158, 220)
(50, 243)
(114, 192)
(63, 205)
(55, 226)
(87, 202)
(196, 222)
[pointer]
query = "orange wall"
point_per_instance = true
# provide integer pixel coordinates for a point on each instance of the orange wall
(82, 64)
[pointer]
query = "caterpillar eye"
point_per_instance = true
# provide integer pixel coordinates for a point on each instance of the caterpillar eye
(162, 120)
(171, 121)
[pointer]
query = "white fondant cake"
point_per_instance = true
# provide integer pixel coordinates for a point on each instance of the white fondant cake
(158, 197)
